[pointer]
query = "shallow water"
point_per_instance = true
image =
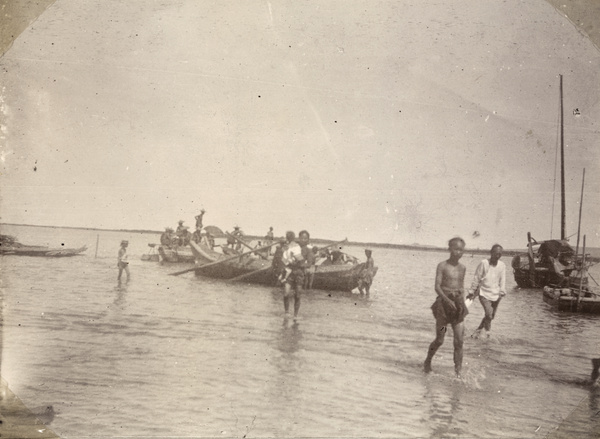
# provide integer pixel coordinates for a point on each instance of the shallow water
(193, 357)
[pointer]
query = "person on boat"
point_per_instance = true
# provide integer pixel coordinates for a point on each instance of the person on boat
(197, 235)
(337, 258)
(269, 239)
(489, 283)
(449, 307)
(167, 237)
(327, 255)
(209, 241)
(366, 276)
(180, 228)
(297, 259)
(238, 234)
(199, 219)
(184, 236)
(122, 261)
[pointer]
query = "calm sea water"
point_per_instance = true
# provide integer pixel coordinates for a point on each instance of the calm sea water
(168, 356)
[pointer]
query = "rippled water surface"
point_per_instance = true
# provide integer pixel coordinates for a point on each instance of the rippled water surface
(185, 356)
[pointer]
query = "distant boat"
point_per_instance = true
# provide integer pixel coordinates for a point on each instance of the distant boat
(255, 269)
(10, 246)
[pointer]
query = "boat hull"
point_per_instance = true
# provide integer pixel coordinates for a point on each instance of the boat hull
(175, 256)
(567, 299)
(326, 277)
(42, 251)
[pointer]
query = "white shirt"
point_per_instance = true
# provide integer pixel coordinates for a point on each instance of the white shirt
(491, 280)
(292, 254)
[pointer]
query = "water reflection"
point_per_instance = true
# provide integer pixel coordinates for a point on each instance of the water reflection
(444, 407)
(290, 337)
(120, 289)
(594, 406)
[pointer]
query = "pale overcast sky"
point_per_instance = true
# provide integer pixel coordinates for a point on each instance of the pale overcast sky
(374, 120)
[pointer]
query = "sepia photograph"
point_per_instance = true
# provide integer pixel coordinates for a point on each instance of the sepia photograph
(299, 219)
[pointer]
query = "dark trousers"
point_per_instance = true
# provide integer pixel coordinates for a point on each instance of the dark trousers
(490, 312)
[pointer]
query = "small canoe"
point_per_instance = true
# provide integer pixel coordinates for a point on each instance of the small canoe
(40, 251)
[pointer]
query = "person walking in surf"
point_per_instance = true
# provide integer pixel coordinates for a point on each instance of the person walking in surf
(449, 307)
(489, 283)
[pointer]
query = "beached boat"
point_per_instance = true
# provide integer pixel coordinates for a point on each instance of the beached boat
(10, 246)
(176, 255)
(254, 269)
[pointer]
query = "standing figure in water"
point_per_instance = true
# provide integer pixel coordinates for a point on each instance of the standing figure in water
(122, 261)
(366, 277)
(490, 283)
(449, 307)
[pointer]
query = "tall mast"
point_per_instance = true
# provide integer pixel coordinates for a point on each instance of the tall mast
(563, 231)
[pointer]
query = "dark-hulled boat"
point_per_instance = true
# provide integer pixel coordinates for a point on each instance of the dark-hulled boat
(547, 262)
(10, 246)
(255, 269)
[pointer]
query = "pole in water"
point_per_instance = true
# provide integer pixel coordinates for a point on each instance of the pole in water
(97, 239)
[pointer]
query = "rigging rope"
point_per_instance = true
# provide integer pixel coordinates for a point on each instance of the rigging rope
(555, 171)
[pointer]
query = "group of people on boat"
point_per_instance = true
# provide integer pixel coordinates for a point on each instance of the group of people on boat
(182, 236)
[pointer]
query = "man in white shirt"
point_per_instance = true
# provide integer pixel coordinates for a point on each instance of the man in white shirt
(490, 280)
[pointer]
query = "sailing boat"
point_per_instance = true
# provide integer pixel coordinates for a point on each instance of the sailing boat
(548, 262)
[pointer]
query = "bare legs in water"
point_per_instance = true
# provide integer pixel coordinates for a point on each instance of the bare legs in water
(440, 330)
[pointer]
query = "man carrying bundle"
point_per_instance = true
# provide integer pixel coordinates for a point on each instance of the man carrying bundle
(297, 260)
(449, 307)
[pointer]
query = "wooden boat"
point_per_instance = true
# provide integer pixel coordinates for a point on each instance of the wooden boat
(10, 246)
(573, 299)
(575, 294)
(254, 269)
(205, 255)
(176, 255)
(547, 262)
